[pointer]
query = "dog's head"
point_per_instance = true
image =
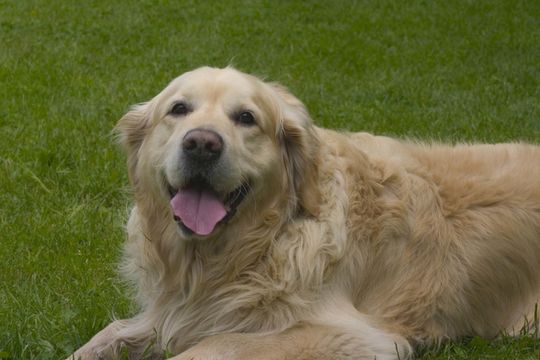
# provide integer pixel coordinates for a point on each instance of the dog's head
(217, 145)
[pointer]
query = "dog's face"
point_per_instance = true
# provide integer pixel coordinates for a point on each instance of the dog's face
(215, 143)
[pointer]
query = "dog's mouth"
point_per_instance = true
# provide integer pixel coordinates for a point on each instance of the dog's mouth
(199, 209)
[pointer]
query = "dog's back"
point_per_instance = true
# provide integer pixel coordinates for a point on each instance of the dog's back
(469, 261)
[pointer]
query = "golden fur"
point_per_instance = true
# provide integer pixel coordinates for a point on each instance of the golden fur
(348, 246)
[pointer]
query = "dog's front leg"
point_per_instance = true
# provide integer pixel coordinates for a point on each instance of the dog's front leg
(115, 341)
(302, 342)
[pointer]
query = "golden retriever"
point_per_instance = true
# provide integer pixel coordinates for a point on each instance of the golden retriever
(257, 235)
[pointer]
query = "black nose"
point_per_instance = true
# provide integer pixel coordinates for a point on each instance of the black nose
(202, 145)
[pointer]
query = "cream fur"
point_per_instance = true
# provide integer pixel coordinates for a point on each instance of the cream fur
(348, 246)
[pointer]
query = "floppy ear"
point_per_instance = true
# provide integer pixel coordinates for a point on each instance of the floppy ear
(132, 129)
(300, 143)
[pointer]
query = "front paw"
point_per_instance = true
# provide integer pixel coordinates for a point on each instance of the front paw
(105, 345)
(93, 353)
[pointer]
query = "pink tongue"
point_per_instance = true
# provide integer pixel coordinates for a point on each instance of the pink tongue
(199, 209)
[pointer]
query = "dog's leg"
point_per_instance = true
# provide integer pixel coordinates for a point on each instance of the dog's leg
(302, 342)
(338, 339)
(118, 340)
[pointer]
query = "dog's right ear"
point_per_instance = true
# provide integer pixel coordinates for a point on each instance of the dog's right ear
(131, 129)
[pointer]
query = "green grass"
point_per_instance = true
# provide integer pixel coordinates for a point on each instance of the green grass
(446, 70)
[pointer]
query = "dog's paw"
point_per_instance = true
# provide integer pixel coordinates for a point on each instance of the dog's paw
(87, 354)
(99, 351)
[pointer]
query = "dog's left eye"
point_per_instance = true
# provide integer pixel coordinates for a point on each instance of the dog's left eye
(246, 118)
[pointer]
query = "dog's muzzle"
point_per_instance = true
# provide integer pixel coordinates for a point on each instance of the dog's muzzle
(197, 207)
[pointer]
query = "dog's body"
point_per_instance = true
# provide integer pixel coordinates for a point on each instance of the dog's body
(305, 243)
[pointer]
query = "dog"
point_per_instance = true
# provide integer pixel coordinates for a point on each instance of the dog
(257, 235)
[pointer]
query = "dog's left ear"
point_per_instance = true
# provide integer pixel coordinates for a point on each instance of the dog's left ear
(299, 140)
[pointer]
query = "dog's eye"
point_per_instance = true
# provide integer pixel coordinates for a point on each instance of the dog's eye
(180, 108)
(245, 118)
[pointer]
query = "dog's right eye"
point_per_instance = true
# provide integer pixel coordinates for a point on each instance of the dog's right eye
(180, 108)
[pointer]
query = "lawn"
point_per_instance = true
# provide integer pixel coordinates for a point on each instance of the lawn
(446, 70)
